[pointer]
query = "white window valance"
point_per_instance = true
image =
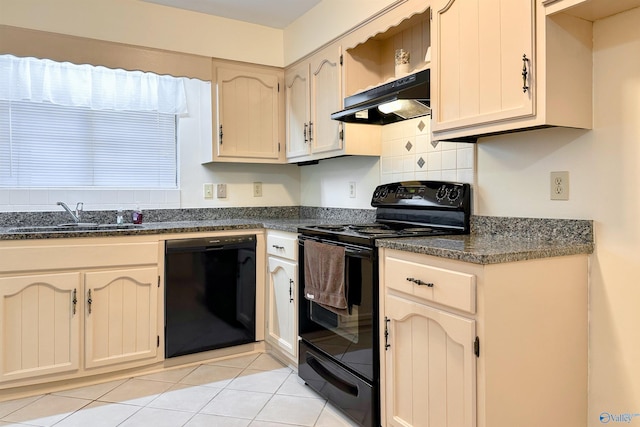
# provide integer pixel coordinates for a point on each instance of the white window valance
(94, 87)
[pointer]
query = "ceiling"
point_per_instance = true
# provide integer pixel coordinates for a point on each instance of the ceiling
(270, 13)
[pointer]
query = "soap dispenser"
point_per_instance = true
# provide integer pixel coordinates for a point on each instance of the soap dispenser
(136, 215)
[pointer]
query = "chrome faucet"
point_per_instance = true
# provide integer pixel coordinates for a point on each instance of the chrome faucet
(78, 212)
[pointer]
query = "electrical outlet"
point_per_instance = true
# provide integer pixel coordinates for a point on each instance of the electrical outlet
(352, 190)
(221, 191)
(559, 185)
(208, 191)
(257, 189)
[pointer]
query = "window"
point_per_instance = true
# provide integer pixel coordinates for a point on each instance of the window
(63, 125)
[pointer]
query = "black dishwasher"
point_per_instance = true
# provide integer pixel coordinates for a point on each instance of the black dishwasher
(210, 293)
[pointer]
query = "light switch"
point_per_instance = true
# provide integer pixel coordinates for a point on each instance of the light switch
(208, 191)
(221, 191)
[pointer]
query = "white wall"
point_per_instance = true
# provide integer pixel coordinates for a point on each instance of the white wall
(327, 183)
(604, 186)
(147, 24)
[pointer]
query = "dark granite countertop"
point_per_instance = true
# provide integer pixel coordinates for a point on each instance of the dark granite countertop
(290, 225)
(487, 249)
(492, 239)
(518, 239)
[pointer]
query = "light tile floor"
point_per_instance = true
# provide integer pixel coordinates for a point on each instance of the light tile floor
(255, 391)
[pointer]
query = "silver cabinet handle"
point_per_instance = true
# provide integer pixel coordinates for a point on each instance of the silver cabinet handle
(419, 282)
(305, 133)
(277, 247)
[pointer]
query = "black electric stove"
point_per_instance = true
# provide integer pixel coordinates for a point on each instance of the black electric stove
(406, 209)
(338, 352)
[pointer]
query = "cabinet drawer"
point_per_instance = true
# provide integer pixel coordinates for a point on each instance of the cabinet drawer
(446, 287)
(282, 244)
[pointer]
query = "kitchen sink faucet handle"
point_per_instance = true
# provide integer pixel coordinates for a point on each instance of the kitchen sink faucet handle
(79, 208)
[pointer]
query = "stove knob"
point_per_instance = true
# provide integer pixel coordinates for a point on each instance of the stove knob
(441, 193)
(454, 194)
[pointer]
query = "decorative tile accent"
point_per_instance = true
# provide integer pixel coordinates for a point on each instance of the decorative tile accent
(421, 162)
(434, 144)
(421, 125)
(408, 146)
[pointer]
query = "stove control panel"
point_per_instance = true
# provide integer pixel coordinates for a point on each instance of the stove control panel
(440, 194)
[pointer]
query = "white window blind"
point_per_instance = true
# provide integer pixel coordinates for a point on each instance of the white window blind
(45, 145)
(48, 144)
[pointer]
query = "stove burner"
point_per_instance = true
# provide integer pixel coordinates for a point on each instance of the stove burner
(330, 227)
(417, 230)
(374, 231)
(365, 227)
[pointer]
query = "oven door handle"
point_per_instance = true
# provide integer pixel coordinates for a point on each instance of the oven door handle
(362, 253)
(337, 382)
(350, 251)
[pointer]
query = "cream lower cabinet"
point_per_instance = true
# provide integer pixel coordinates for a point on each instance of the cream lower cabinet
(77, 307)
(282, 307)
(121, 316)
(498, 345)
(40, 325)
(281, 311)
(430, 366)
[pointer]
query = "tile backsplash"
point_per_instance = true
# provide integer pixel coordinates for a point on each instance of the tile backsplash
(408, 153)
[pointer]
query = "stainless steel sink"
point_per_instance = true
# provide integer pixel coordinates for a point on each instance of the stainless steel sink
(71, 227)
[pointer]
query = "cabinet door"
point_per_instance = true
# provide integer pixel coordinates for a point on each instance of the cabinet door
(430, 366)
(39, 325)
(297, 111)
(281, 310)
(326, 98)
(121, 316)
(477, 62)
(248, 114)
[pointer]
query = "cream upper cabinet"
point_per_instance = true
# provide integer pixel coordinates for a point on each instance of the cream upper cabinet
(326, 98)
(298, 113)
(480, 50)
(313, 93)
(121, 316)
(471, 345)
(502, 65)
(39, 325)
(248, 114)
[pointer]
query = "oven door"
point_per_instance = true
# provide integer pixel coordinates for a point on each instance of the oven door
(348, 339)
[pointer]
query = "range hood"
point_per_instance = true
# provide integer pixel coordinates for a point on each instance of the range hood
(405, 98)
